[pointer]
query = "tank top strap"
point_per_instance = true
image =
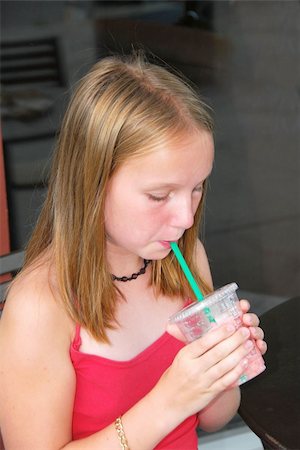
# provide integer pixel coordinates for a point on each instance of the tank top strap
(188, 302)
(77, 339)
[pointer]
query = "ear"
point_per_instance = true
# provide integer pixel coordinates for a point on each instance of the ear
(174, 331)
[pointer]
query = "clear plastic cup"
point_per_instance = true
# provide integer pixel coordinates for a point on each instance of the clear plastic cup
(217, 308)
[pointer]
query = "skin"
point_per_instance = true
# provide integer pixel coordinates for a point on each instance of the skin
(159, 193)
(37, 377)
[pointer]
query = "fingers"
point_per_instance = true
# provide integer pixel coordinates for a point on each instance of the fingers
(209, 340)
(235, 359)
(222, 365)
(262, 346)
(230, 379)
(244, 305)
(215, 346)
(226, 355)
(250, 320)
(217, 357)
(256, 333)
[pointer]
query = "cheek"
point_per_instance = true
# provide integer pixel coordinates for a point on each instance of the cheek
(145, 223)
(158, 222)
(133, 216)
(147, 220)
(114, 214)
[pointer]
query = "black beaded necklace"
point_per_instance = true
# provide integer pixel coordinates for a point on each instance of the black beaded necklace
(134, 275)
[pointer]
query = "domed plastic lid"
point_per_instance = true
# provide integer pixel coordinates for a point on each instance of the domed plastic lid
(209, 300)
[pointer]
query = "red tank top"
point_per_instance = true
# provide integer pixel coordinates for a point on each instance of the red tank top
(106, 389)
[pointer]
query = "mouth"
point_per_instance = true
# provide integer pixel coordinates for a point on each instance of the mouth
(166, 244)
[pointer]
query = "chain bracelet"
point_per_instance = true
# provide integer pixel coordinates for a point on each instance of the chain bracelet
(121, 434)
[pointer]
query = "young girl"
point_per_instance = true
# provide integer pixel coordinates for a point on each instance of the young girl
(86, 359)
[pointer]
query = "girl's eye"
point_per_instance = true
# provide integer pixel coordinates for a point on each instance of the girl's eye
(157, 198)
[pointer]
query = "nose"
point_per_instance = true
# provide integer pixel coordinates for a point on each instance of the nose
(182, 214)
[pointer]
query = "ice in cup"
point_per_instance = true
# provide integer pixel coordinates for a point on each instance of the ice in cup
(214, 310)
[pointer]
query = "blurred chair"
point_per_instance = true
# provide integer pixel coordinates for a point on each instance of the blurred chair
(10, 265)
(31, 61)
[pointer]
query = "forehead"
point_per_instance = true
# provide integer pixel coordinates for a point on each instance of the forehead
(189, 158)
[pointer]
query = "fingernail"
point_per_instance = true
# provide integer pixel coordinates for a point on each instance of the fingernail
(248, 345)
(245, 331)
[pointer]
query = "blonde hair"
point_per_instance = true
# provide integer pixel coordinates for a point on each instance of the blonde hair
(122, 108)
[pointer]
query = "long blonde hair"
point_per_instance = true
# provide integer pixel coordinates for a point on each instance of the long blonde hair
(122, 108)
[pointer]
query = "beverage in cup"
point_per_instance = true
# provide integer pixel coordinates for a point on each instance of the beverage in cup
(214, 310)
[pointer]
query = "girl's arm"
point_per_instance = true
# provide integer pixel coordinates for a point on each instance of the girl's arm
(220, 411)
(37, 382)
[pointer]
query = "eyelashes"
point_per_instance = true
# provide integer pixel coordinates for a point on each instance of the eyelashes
(157, 198)
(162, 198)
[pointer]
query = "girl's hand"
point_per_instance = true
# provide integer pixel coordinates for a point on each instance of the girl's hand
(252, 321)
(202, 370)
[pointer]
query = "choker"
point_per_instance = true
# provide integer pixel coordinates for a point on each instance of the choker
(134, 275)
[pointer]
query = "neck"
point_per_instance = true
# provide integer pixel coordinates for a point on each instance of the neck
(122, 263)
(134, 275)
(137, 290)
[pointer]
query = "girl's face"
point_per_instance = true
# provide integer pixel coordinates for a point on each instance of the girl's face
(151, 200)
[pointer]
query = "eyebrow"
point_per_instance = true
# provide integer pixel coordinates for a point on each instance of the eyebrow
(162, 185)
(168, 185)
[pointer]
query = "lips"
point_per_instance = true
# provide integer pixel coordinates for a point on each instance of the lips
(166, 244)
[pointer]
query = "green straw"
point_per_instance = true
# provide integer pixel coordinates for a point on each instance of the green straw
(186, 271)
(190, 278)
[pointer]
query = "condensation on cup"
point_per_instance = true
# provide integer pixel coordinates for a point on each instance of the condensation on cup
(217, 308)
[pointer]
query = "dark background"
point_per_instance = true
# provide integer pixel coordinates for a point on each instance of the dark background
(243, 56)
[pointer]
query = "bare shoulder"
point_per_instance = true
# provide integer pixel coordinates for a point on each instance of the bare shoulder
(203, 264)
(33, 305)
(37, 377)
(33, 320)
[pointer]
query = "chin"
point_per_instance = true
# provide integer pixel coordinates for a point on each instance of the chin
(158, 255)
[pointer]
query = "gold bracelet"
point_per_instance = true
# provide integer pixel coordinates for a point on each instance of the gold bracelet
(121, 434)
